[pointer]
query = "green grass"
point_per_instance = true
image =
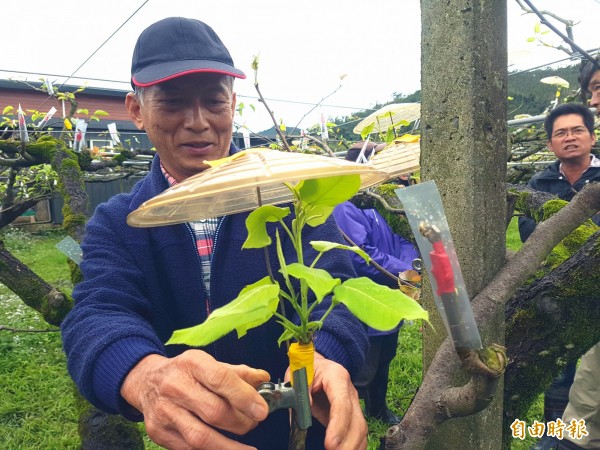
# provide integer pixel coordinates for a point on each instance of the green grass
(37, 409)
(405, 378)
(513, 239)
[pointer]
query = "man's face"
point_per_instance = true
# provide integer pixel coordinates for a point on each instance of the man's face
(189, 120)
(570, 138)
(594, 90)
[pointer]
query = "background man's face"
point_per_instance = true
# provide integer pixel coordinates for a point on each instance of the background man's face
(570, 138)
(594, 89)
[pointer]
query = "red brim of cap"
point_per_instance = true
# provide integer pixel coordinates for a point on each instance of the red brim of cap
(160, 73)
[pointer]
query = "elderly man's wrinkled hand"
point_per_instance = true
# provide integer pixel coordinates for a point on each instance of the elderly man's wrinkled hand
(335, 404)
(180, 396)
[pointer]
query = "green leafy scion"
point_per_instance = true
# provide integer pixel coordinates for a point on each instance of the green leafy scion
(377, 306)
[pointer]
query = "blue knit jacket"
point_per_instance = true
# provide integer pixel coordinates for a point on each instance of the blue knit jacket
(141, 284)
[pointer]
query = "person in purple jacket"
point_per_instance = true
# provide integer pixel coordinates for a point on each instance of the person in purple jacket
(141, 284)
(368, 230)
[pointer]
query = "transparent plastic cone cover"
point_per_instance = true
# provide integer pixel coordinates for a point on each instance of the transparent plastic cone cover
(242, 183)
(389, 115)
(397, 159)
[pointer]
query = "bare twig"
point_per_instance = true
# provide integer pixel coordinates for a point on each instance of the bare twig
(377, 266)
(314, 107)
(23, 330)
(264, 102)
(569, 26)
(385, 204)
(324, 144)
(15, 163)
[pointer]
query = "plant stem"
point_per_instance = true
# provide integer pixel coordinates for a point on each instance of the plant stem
(328, 311)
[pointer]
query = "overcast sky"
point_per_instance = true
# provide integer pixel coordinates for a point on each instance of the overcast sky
(304, 46)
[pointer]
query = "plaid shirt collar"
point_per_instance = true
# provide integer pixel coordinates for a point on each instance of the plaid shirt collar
(204, 232)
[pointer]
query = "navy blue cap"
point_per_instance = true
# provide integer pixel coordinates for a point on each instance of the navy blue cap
(177, 46)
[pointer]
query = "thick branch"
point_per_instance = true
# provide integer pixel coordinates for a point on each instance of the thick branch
(10, 189)
(52, 304)
(8, 215)
(424, 415)
(562, 311)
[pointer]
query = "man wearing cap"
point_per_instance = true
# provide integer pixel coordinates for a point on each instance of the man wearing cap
(141, 284)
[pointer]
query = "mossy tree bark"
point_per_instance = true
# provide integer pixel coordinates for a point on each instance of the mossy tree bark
(52, 304)
(97, 429)
(566, 297)
(549, 323)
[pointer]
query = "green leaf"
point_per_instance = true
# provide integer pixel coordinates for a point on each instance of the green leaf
(329, 191)
(318, 280)
(254, 306)
(319, 196)
(314, 326)
(531, 39)
(367, 130)
(325, 246)
(390, 135)
(256, 224)
(287, 334)
(537, 27)
(280, 255)
(100, 112)
(83, 111)
(378, 306)
(7, 109)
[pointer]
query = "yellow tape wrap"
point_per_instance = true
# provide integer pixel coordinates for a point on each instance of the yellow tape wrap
(302, 355)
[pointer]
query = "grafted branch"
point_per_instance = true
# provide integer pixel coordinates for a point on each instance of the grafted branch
(425, 414)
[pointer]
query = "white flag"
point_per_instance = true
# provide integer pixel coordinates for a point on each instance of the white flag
(246, 135)
(114, 135)
(79, 140)
(46, 118)
(23, 134)
(49, 86)
(324, 131)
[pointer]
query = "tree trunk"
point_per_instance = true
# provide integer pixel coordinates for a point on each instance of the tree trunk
(463, 149)
(101, 431)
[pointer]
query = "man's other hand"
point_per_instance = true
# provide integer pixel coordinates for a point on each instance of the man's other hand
(180, 396)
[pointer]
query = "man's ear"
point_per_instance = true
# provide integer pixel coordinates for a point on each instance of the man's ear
(233, 103)
(134, 108)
